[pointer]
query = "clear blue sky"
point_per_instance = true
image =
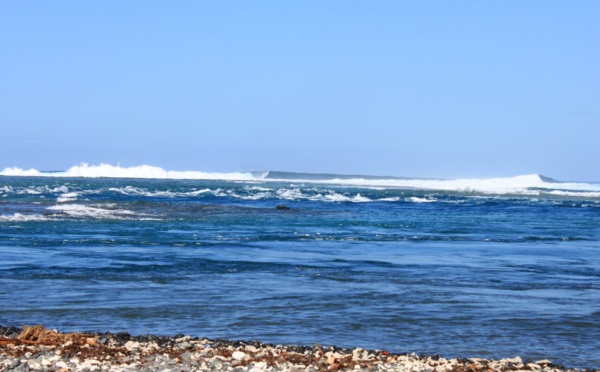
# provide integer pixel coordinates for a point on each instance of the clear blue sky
(405, 88)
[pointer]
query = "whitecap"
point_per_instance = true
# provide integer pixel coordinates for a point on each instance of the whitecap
(336, 197)
(290, 194)
(30, 191)
(6, 189)
(528, 185)
(198, 192)
(390, 199)
(136, 191)
(575, 193)
(62, 189)
(81, 211)
(416, 199)
(257, 188)
(141, 171)
(68, 197)
(15, 171)
(18, 217)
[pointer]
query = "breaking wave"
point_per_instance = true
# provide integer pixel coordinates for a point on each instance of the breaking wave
(19, 217)
(141, 171)
(530, 185)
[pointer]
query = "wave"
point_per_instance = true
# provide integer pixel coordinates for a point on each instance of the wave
(91, 211)
(142, 171)
(18, 217)
(78, 211)
(530, 185)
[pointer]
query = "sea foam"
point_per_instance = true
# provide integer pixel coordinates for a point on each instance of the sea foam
(79, 210)
(18, 217)
(141, 171)
(530, 185)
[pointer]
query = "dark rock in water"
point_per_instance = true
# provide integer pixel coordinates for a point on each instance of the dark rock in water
(147, 338)
(123, 337)
(282, 207)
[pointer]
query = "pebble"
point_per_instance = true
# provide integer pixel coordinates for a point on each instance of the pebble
(185, 345)
(238, 355)
(123, 352)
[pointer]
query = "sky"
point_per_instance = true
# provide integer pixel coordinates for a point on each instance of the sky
(402, 88)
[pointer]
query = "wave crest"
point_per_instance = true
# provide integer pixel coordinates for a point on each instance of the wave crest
(530, 185)
(141, 171)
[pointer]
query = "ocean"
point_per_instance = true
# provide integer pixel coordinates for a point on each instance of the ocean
(488, 268)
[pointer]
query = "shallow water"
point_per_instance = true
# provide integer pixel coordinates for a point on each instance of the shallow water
(454, 273)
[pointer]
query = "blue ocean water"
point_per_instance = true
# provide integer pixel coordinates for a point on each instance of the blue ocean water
(470, 268)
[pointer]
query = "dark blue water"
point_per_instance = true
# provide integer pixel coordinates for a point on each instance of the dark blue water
(437, 272)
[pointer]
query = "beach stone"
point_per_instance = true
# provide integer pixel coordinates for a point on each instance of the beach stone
(251, 349)
(185, 345)
(132, 345)
(10, 363)
(188, 354)
(258, 366)
(359, 354)
(216, 364)
(515, 360)
(122, 336)
(238, 355)
(62, 365)
(183, 339)
(34, 365)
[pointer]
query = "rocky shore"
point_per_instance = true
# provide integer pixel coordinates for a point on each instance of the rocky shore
(39, 349)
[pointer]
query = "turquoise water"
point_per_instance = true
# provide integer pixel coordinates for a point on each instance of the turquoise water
(456, 272)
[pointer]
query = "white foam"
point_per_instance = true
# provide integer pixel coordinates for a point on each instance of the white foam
(198, 192)
(291, 194)
(416, 199)
(63, 189)
(6, 189)
(15, 171)
(390, 199)
(141, 171)
(530, 185)
(260, 196)
(258, 188)
(335, 197)
(79, 210)
(31, 191)
(18, 217)
(492, 185)
(68, 197)
(575, 193)
(130, 190)
(524, 185)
